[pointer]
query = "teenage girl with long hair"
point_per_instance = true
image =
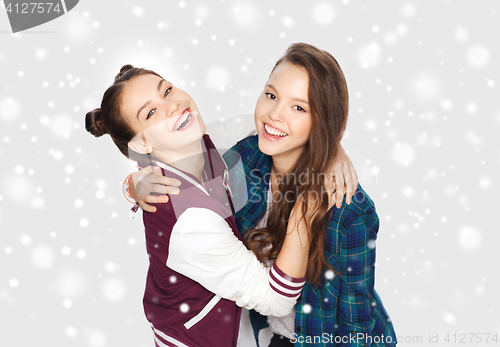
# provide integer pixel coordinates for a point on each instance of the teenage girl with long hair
(300, 118)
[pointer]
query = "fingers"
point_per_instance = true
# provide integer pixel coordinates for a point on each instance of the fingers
(339, 194)
(155, 199)
(170, 182)
(161, 189)
(150, 180)
(347, 183)
(153, 175)
(162, 181)
(142, 173)
(159, 199)
(331, 195)
(158, 178)
(349, 190)
(146, 207)
(352, 185)
(355, 180)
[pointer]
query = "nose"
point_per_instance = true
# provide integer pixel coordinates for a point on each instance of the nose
(171, 107)
(276, 113)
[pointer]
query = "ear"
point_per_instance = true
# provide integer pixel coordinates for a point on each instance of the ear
(140, 147)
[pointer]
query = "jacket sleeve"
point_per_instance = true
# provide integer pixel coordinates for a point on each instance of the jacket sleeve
(356, 303)
(204, 248)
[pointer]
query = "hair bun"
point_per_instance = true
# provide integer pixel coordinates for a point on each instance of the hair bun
(123, 70)
(94, 123)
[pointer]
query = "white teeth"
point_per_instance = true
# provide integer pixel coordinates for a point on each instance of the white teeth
(182, 120)
(274, 132)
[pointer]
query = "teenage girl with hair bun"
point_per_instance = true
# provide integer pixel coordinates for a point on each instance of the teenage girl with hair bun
(200, 273)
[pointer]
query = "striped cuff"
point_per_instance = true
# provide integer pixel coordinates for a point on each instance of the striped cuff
(285, 285)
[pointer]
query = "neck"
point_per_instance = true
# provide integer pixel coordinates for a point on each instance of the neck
(283, 164)
(189, 159)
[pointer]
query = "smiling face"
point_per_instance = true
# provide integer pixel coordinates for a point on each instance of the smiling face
(165, 118)
(282, 114)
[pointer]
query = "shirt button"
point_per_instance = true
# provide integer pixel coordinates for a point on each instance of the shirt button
(226, 204)
(210, 189)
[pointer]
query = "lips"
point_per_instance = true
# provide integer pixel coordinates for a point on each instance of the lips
(270, 130)
(271, 133)
(185, 120)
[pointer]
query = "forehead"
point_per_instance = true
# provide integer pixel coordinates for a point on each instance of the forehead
(287, 76)
(145, 84)
(137, 91)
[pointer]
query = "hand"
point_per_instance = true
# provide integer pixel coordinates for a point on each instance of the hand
(150, 180)
(345, 178)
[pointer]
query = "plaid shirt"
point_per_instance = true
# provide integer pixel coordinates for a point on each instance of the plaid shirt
(345, 310)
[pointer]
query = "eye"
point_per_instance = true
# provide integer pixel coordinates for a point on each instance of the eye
(167, 91)
(150, 113)
(299, 108)
(271, 96)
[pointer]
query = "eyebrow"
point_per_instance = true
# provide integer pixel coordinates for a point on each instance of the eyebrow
(296, 99)
(148, 102)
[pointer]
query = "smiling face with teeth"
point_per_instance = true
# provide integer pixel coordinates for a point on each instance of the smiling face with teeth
(165, 118)
(282, 114)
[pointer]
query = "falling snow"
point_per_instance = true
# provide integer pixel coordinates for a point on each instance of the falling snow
(113, 289)
(369, 55)
(306, 308)
(184, 308)
(422, 133)
(323, 13)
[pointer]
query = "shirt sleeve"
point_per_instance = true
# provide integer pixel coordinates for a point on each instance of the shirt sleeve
(225, 134)
(356, 303)
(204, 248)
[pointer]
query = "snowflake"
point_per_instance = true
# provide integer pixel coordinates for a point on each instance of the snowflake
(184, 308)
(306, 308)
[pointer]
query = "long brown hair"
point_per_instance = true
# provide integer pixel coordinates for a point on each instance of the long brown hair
(329, 105)
(108, 119)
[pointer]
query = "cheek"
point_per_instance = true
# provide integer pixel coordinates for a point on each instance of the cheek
(259, 107)
(307, 129)
(302, 128)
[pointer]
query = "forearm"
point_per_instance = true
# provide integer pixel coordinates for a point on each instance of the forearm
(294, 253)
(203, 247)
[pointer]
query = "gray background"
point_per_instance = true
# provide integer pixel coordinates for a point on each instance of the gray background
(423, 79)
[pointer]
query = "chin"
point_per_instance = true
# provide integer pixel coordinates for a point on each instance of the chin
(267, 148)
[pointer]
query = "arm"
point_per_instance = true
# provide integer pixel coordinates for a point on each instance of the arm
(150, 180)
(346, 179)
(355, 304)
(224, 134)
(294, 253)
(204, 248)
